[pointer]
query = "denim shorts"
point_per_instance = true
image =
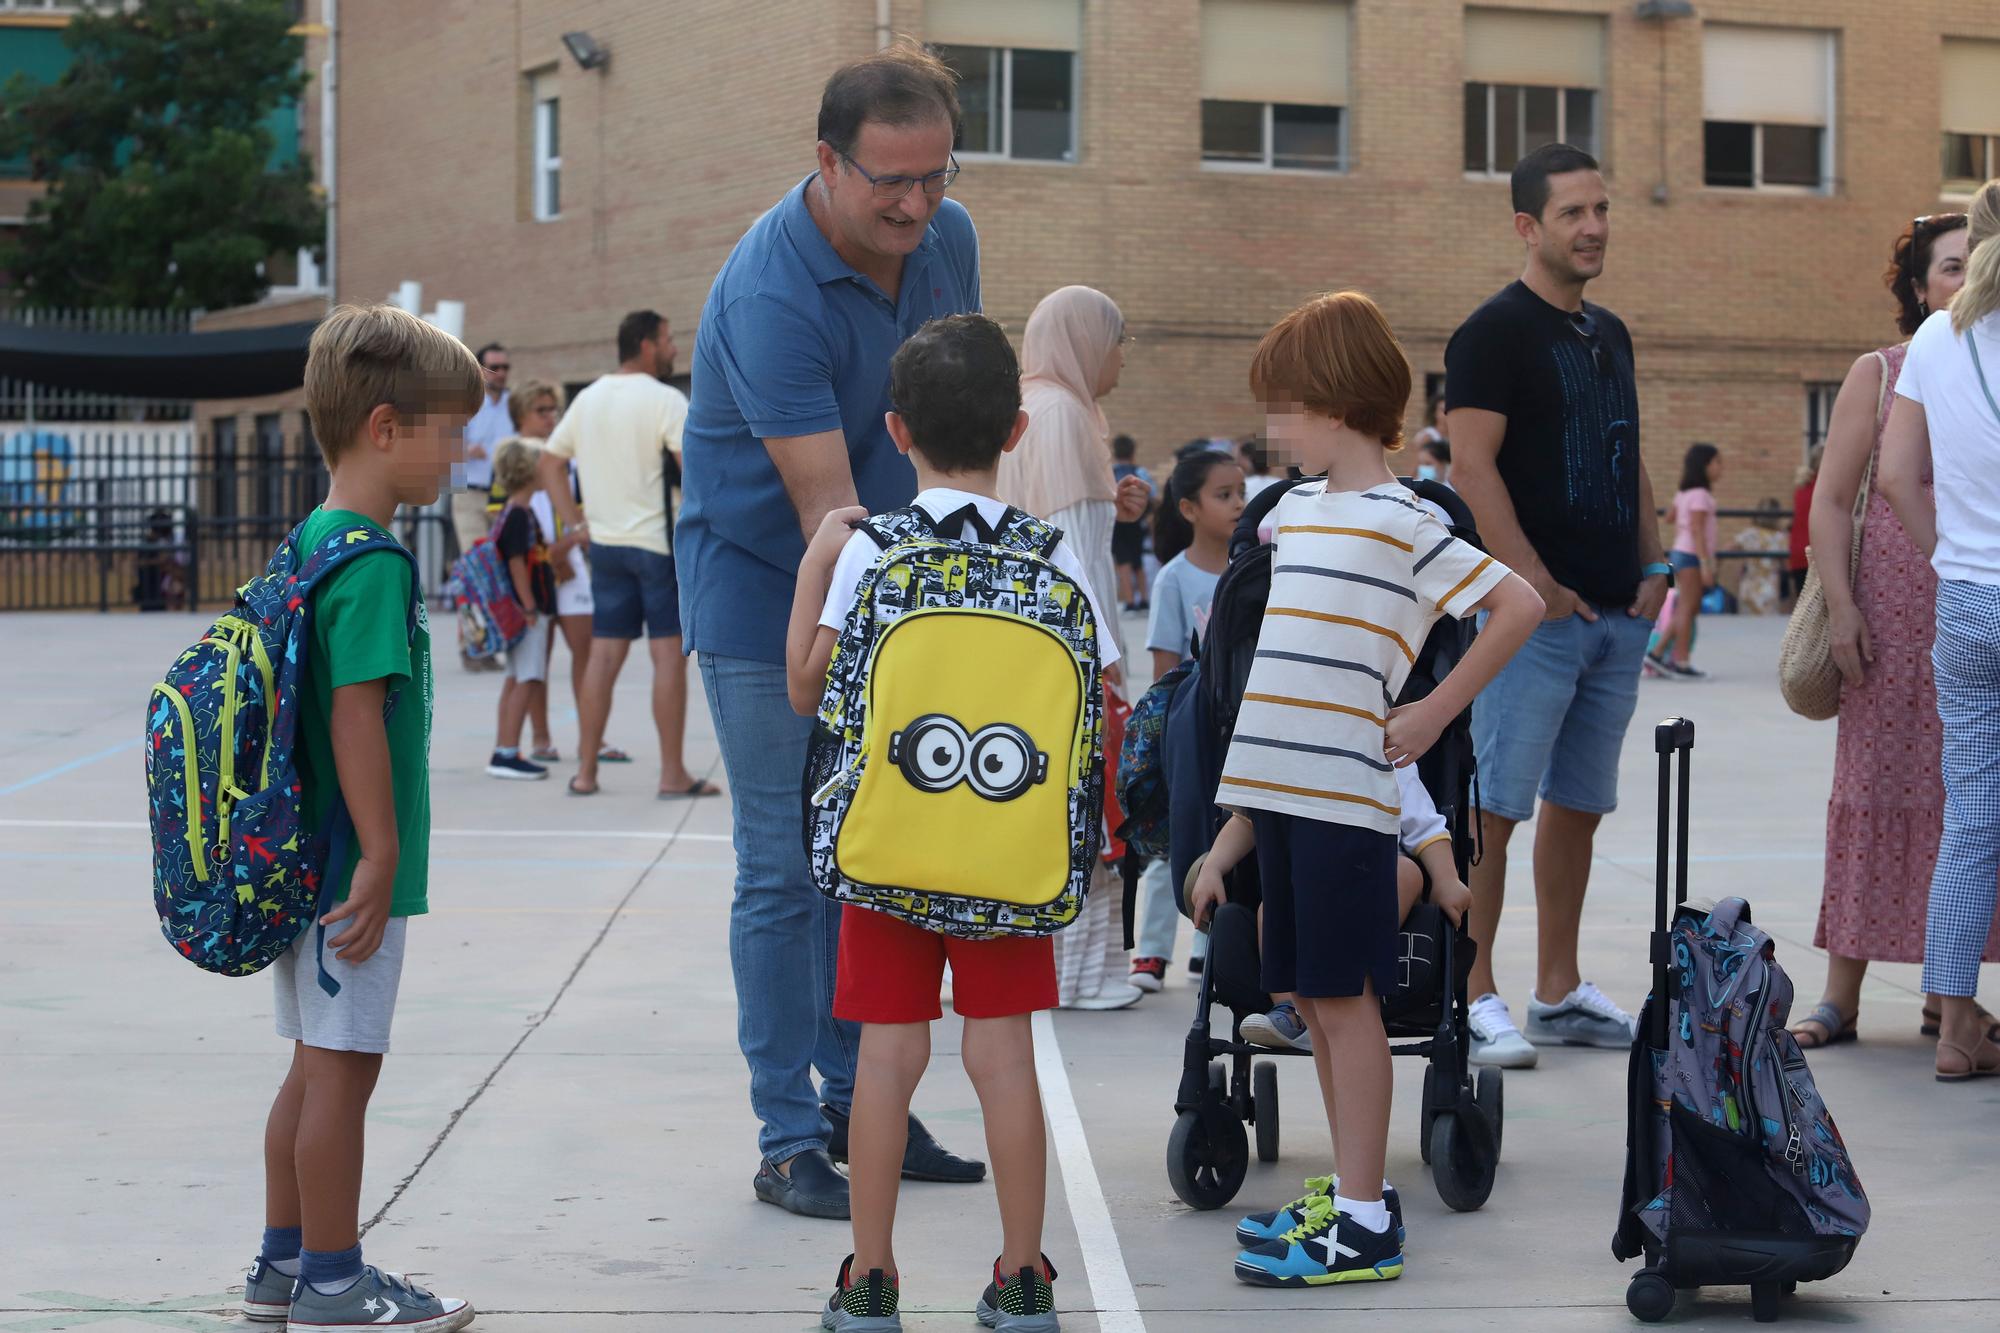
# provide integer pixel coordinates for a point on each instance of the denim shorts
(1554, 719)
(633, 589)
(1680, 560)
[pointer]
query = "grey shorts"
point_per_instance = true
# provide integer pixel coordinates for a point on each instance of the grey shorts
(358, 1018)
(528, 660)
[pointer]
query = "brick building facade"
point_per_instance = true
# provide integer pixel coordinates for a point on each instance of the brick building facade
(1761, 156)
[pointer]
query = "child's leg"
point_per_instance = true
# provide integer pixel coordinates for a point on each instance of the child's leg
(332, 1106)
(1349, 1029)
(538, 713)
(999, 1055)
(893, 1056)
(1409, 886)
(1687, 583)
(281, 1137)
(513, 712)
(1322, 1054)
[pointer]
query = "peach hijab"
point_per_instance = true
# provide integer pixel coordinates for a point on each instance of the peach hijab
(1064, 457)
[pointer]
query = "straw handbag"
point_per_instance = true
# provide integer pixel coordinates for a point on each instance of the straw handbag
(1807, 675)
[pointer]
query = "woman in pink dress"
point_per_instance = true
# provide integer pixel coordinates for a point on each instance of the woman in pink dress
(1886, 813)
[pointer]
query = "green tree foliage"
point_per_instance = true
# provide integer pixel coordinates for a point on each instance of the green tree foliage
(158, 159)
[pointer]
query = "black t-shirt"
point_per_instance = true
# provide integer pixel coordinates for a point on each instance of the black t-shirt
(520, 535)
(1570, 457)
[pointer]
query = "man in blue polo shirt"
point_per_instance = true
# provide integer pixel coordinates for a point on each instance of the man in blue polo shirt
(785, 424)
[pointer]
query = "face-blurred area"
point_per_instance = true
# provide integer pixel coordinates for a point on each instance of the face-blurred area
(1947, 270)
(863, 225)
(1292, 440)
(424, 448)
(1574, 229)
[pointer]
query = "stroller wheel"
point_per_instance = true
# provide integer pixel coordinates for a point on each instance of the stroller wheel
(1426, 1115)
(1490, 1093)
(1463, 1175)
(1264, 1091)
(1207, 1174)
(1649, 1296)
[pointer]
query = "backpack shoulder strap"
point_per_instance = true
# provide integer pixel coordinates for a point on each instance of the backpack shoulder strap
(1024, 532)
(894, 526)
(341, 546)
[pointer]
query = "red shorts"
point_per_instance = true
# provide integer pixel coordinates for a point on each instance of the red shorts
(893, 972)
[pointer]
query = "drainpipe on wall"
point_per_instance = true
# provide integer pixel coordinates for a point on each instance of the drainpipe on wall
(329, 137)
(884, 31)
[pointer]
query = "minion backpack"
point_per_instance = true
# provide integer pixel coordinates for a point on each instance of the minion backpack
(956, 774)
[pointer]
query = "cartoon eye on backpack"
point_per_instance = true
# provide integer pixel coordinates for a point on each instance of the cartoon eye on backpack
(999, 761)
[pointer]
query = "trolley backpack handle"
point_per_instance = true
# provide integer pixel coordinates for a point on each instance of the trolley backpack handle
(1675, 736)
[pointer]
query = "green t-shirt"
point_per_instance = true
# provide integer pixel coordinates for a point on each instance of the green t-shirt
(360, 618)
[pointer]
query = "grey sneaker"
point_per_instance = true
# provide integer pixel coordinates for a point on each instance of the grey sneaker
(267, 1294)
(1585, 1017)
(378, 1300)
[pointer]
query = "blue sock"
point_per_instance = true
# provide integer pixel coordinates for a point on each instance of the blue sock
(281, 1250)
(508, 751)
(331, 1271)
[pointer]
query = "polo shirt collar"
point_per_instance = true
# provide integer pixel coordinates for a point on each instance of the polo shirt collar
(821, 260)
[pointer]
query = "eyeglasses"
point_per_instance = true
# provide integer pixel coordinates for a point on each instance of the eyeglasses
(1586, 329)
(895, 187)
(501, 367)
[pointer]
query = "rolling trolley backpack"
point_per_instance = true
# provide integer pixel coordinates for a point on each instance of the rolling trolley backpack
(1735, 1174)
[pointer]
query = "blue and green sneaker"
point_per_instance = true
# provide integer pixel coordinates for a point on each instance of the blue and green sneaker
(1263, 1228)
(1326, 1247)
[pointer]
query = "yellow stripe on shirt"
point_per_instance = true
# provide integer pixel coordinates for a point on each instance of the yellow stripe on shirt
(1312, 792)
(1315, 703)
(1465, 582)
(1331, 619)
(1396, 542)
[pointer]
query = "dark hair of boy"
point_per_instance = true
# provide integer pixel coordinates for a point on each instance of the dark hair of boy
(957, 386)
(1438, 449)
(1172, 533)
(1694, 468)
(636, 328)
(1531, 175)
(1124, 448)
(901, 86)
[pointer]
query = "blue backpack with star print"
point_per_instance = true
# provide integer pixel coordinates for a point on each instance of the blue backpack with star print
(236, 874)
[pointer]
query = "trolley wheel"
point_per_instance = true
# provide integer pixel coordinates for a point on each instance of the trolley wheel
(1489, 1090)
(1206, 1174)
(1649, 1296)
(1218, 1080)
(1428, 1116)
(1264, 1094)
(1764, 1298)
(1463, 1180)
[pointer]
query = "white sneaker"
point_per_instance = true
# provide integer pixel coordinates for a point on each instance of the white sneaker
(1113, 995)
(1495, 1039)
(1586, 1017)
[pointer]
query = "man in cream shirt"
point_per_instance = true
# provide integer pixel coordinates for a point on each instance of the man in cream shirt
(619, 431)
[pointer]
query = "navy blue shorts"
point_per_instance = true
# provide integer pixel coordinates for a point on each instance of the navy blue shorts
(1329, 906)
(633, 589)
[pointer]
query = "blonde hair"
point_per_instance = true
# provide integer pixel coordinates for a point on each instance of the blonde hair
(1980, 296)
(514, 461)
(361, 357)
(524, 395)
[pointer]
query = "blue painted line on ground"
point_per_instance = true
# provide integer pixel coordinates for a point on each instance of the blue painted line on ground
(72, 765)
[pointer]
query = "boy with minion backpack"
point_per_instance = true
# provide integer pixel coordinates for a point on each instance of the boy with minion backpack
(954, 794)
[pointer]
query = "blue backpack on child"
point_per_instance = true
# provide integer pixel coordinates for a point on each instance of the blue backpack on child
(481, 590)
(236, 874)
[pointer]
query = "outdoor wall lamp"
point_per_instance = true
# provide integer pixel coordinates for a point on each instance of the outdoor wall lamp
(1664, 9)
(586, 50)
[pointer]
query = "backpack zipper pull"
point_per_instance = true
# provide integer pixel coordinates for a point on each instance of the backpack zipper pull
(846, 778)
(1794, 1153)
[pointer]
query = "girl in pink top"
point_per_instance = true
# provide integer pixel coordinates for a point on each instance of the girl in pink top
(1693, 559)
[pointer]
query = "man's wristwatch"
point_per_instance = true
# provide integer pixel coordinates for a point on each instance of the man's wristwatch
(1657, 567)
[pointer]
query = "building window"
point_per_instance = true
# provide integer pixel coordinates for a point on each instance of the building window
(547, 147)
(1819, 412)
(1274, 85)
(1530, 79)
(1767, 108)
(1971, 113)
(1017, 71)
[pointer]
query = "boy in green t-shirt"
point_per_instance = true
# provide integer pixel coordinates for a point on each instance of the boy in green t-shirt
(389, 397)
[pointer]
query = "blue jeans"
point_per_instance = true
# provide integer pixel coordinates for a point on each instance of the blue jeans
(784, 938)
(1554, 719)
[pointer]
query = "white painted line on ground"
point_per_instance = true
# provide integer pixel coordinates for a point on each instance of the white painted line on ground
(646, 835)
(1103, 1260)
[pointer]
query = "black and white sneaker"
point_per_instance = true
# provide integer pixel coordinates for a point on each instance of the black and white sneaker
(514, 767)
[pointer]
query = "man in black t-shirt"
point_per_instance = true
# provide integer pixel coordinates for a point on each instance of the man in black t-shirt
(1544, 421)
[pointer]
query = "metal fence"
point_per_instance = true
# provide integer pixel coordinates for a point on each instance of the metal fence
(159, 519)
(22, 401)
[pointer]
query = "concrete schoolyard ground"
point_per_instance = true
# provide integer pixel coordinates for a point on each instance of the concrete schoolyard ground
(563, 1135)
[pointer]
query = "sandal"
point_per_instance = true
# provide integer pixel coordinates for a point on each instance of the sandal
(1981, 1063)
(1932, 1017)
(1827, 1018)
(575, 790)
(611, 754)
(546, 754)
(700, 788)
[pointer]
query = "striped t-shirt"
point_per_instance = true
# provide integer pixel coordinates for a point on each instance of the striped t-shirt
(1357, 582)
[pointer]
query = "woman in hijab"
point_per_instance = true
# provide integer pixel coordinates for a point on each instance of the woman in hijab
(1071, 355)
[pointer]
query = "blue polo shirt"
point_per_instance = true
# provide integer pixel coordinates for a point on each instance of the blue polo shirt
(793, 341)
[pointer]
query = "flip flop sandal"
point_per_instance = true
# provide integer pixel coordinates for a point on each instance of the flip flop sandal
(1932, 1017)
(575, 790)
(1974, 1067)
(1828, 1018)
(548, 754)
(702, 787)
(611, 754)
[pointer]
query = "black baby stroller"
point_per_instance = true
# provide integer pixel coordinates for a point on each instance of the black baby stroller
(1223, 1086)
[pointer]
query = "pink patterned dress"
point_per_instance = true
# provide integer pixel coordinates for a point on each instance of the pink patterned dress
(1887, 810)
